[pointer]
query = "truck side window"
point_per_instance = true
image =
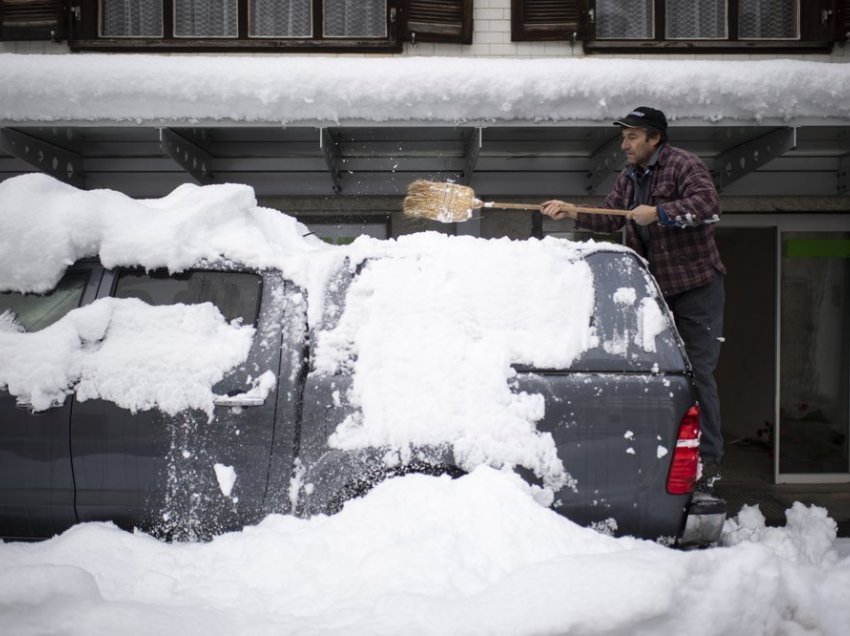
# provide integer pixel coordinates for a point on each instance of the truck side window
(34, 312)
(236, 294)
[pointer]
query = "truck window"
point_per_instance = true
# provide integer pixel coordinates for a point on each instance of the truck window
(236, 294)
(34, 312)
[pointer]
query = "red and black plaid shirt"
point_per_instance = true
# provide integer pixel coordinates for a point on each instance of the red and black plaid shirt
(681, 251)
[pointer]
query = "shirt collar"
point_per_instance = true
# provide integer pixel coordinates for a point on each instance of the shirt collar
(654, 160)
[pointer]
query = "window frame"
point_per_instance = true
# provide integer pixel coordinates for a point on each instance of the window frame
(815, 35)
(85, 34)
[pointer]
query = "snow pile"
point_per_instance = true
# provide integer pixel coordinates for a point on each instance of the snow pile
(419, 555)
(332, 89)
(125, 351)
(439, 328)
(808, 536)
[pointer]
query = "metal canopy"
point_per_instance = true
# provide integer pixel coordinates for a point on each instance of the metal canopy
(150, 161)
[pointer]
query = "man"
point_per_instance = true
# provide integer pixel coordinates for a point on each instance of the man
(673, 206)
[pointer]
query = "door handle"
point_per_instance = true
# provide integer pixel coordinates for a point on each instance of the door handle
(255, 396)
(239, 400)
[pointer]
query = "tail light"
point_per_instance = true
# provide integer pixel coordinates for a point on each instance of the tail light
(683, 468)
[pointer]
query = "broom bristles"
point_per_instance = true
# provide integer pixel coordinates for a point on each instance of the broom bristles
(445, 202)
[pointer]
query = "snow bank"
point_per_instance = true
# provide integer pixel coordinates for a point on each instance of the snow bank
(419, 555)
(317, 89)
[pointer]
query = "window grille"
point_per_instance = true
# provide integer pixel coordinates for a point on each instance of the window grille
(624, 19)
(205, 18)
(355, 18)
(132, 18)
(768, 19)
(281, 18)
(695, 19)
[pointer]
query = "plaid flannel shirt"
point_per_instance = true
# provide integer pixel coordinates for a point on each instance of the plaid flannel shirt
(681, 250)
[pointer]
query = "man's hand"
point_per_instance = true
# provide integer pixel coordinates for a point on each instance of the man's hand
(643, 215)
(558, 209)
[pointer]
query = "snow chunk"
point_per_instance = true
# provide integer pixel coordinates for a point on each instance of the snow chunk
(808, 536)
(651, 322)
(625, 296)
(226, 477)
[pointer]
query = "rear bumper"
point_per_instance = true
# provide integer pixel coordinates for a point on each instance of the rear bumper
(704, 521)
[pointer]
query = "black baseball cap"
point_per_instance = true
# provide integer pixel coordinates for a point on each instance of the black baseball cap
(643, 117)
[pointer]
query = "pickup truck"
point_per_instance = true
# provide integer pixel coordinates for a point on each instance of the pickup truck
(622, 416)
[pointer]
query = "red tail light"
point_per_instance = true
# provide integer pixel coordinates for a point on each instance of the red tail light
(683, 468)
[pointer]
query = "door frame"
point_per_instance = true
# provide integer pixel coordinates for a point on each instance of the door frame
(783, 223)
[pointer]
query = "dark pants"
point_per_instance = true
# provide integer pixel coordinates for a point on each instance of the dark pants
(699, 318)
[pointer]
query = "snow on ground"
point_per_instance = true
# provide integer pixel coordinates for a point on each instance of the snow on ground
(178, 88)
(428, 555)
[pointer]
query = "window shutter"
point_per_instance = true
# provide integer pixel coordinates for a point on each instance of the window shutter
(438, 21)
(842, 20)
(823, 20)
(31, 20)
(545, 19)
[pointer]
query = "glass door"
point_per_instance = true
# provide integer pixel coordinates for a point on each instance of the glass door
(814, 351)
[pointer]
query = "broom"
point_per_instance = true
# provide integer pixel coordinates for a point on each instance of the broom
(451, 202)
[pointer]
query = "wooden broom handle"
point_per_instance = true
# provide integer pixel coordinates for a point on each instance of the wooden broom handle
(533, 206)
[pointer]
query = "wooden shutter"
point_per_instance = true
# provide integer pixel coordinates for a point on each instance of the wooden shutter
(437, 21)
(545, 19)
(823, 20)
(842, 19)
(31, 20)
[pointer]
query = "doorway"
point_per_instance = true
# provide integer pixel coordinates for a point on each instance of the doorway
(814, 378)
(746, 372)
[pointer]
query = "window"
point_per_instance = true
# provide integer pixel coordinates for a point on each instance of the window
(712, 24)
(261, 25)
(342, 230)
(699, 19)
(236, 294)
(228, 24)
(814, 378)
(695, 25)
(266, 18)
(624, 19)
(34, 312)
(768, 19)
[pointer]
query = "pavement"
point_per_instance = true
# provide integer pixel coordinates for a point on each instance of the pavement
(748, 479)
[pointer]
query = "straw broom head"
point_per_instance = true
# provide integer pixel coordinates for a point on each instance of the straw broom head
(444, 202)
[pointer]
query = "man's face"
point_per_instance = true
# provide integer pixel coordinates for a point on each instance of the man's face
(638, 146)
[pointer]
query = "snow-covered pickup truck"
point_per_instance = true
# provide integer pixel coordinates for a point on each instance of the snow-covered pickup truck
(190, 365)
(290, 431)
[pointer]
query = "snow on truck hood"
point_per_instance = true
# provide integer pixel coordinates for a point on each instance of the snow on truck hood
(430, 328)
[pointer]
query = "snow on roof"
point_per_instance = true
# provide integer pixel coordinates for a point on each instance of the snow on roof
(338, 90)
